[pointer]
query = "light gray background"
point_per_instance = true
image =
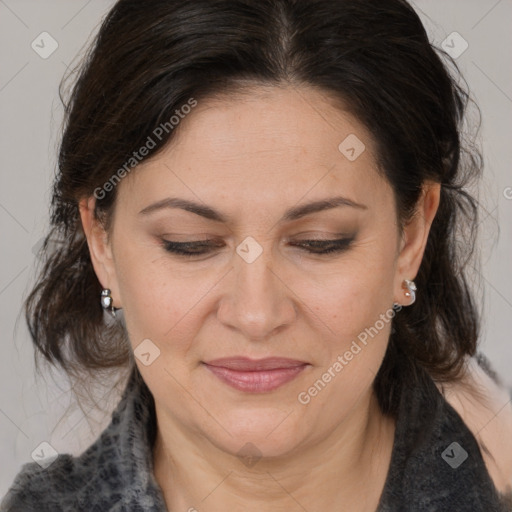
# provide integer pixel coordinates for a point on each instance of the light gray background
(30, 116)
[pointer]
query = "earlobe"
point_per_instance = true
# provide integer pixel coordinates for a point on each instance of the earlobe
(99, 246)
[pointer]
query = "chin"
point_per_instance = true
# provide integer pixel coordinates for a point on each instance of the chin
(258, 434)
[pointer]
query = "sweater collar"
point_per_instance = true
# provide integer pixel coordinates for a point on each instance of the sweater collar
(131, 433)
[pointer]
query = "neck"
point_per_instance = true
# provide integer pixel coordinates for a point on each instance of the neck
(347, 468)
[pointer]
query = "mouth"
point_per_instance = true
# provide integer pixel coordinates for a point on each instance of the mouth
(256, 376)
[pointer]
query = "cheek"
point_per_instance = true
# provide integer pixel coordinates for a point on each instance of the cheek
(357, 313)
(157, 303)
(355, 306)
(353, 294)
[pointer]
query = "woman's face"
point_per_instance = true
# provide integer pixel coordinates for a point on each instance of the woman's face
(252, 164)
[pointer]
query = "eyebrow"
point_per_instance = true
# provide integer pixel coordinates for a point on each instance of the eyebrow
(294, 213)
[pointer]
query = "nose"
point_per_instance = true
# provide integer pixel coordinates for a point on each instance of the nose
(258, 301)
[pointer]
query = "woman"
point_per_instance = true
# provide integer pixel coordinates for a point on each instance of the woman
(268, 200)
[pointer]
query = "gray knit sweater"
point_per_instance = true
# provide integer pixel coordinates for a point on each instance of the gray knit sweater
(436, 464)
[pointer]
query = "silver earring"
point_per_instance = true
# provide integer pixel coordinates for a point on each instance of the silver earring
(411, 290)
(107, 301)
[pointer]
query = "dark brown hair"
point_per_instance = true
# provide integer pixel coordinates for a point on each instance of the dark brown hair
(151, 56)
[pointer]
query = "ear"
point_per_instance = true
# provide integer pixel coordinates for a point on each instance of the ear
(414, 239)
(100, 248)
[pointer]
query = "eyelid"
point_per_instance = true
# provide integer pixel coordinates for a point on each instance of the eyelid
(322, 236)
(209, 242)
(326, 246)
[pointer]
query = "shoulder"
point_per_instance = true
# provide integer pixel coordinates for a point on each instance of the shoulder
(36, 488)
(485, 406)
(67, 483)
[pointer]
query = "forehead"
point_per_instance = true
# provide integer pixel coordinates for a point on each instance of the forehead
(277, 143)
(281, 120)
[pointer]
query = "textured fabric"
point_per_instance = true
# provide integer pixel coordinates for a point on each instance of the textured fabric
(428, 472)
(115, 473)
(112, 475)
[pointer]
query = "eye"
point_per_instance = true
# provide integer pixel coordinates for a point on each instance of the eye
(325, 246)
(202, 247)
(194, 248)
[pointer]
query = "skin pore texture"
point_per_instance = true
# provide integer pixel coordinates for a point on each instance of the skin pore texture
(252, 157)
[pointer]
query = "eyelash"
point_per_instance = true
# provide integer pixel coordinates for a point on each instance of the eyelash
(326, 246)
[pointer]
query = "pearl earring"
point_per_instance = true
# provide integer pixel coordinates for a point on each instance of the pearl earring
(411, 290)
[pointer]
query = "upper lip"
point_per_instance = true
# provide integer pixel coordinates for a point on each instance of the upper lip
(247, 364)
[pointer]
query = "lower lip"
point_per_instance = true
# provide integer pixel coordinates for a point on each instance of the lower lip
(257, 381)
